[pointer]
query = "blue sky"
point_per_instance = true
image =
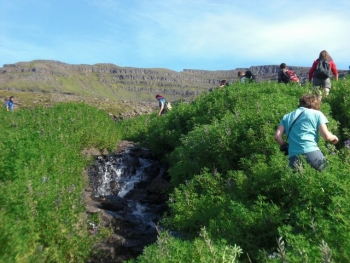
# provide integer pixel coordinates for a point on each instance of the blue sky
(175, 34)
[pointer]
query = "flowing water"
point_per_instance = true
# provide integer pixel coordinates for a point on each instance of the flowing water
(129, 187)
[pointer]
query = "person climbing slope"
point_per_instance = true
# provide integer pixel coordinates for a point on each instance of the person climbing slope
(162, 104)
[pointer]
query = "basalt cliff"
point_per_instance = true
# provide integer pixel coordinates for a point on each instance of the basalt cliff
(110, 83)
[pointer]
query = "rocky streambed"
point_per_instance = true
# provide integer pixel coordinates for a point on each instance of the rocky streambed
(127, 189)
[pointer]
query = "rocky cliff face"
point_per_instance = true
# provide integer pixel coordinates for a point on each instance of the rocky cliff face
(111, 81)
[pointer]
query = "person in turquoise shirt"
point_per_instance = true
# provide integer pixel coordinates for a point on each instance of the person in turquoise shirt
(162, 106)
(303, 136)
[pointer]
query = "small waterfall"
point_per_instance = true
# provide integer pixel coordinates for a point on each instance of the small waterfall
(116, 177)
(129, 187)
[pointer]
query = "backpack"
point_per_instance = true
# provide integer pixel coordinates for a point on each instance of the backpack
(290, 76)
(323, 69)
(249, 75)
(168, 105)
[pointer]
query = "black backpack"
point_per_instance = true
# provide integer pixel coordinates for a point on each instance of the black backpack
(249, 75)
(323, 69)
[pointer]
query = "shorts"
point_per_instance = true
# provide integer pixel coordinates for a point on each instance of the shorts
(316, 160)
(323, 83)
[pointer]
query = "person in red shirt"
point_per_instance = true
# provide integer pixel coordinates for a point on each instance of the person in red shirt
(323, 83)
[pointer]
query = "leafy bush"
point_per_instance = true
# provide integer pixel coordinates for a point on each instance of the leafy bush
(42, 215)
(339, 100)
(170, 249)
(229, 177)
(230, 183)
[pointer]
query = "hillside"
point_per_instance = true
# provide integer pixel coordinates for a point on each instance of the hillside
(118, 90)
(230, 196)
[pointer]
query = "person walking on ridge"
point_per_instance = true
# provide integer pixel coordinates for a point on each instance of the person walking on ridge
(320, 71)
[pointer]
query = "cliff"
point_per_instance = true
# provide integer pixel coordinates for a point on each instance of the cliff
(114, 83)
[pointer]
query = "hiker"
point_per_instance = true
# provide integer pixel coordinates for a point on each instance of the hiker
(320, 71)
(223, 83)
(246, 77)
(241, 76)
(286, 75)
(10, 104)
(301, 127)
(162, 104)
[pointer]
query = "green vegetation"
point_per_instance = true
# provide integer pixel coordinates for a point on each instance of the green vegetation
(49, 99)
(229, 177)
(42, 213)
(233, 197)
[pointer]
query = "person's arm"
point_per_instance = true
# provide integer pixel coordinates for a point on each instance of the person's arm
(312, 70)
(327, 135)
(279, 135)
(336, 77)
(334, 70)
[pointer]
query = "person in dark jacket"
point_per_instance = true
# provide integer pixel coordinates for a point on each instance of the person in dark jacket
(286, 75)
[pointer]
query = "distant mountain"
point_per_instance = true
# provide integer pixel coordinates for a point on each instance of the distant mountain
(108, 81)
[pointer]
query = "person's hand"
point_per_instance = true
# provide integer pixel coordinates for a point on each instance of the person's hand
(335, 140)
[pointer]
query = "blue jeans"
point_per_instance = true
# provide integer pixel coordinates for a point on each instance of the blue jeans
(316, 159)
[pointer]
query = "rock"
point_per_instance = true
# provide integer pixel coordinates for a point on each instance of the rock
(158, 186)
(112, 203)
(91, 152)
(134, 215)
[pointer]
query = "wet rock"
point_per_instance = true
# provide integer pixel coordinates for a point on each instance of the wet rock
(128, 189)
(113, 203)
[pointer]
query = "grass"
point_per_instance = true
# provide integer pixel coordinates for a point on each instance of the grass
(42, 213)
(48, 99)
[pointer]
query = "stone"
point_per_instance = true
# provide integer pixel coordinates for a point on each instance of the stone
(133, 217)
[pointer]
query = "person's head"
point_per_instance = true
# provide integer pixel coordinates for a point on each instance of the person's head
(310, 101)
(158, 97)
(283, 66)
(240, 74)
(223, 82)
(12, 97)
(324, 55)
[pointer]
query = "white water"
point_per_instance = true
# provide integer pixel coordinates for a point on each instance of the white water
(118, 179)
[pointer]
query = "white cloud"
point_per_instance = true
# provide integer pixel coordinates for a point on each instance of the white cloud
(180, 34)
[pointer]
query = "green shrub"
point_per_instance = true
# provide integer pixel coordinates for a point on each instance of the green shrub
(230, 183)
(202, 249)
(229, 176)
(42, 214)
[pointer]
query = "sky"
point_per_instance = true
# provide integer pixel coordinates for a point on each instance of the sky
(175, 34)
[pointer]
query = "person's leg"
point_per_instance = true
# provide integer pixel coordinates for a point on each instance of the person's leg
(295, 162)
(322, 84)
(327, 86)
(316, 159)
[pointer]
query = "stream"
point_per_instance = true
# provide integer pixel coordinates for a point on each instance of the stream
(128, 191)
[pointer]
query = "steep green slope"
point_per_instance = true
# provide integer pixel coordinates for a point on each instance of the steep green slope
(231, 181)
(232, 194)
